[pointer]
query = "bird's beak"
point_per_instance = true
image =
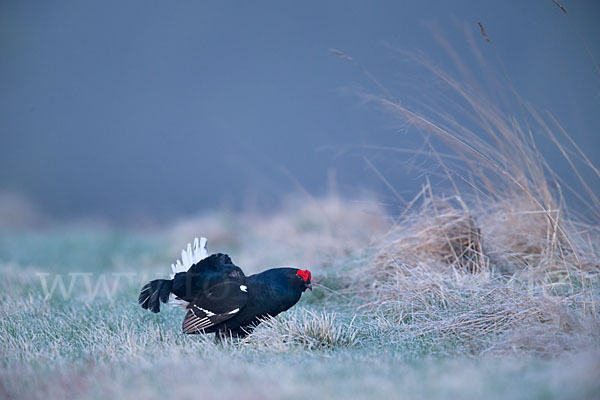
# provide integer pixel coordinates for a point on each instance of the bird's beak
(309, 286)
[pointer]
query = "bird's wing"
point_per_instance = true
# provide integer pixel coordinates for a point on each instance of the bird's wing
(219, 303)
(214, 262)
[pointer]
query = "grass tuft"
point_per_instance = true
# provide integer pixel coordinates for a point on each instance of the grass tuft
(304, 329)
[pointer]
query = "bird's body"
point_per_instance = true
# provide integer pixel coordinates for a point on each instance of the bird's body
(220, 298)
(268, 295)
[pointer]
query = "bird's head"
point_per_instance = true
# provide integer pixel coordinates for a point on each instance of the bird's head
(304, 277)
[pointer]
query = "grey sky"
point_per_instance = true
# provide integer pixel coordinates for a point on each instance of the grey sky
(121, 108)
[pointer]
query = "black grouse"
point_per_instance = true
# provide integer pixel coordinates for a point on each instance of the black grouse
(219, 297)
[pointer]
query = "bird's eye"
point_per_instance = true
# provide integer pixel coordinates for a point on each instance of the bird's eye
(305, 275)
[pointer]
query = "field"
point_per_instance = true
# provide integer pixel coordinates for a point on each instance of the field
(371, 328)
(485, 287)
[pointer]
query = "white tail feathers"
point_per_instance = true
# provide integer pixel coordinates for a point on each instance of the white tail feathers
(190, 256)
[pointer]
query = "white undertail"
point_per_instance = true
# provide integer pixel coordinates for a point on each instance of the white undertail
(189, 257)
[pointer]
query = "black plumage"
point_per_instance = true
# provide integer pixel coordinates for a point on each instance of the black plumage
(221, 299)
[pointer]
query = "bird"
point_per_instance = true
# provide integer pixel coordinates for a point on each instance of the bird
(219, 297)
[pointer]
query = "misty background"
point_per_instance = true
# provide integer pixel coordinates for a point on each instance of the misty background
(147, 109)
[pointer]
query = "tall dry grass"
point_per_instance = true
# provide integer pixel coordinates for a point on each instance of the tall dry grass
(494, 261)
(502, 262)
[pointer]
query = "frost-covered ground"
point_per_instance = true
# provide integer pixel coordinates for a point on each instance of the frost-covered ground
(484, 287)
(383, 321)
